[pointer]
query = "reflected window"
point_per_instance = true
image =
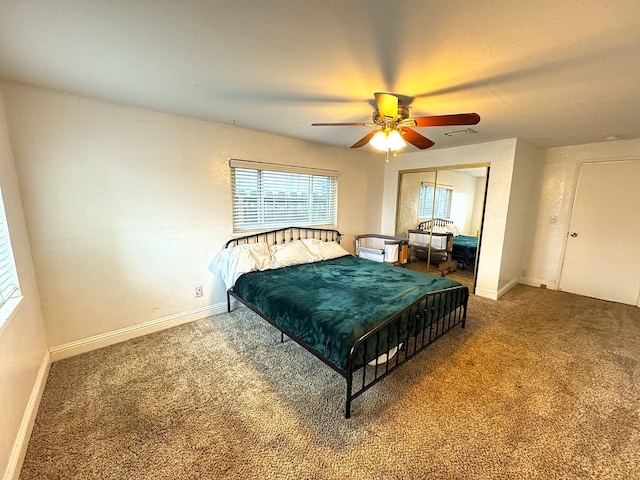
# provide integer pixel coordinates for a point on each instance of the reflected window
(434, 207)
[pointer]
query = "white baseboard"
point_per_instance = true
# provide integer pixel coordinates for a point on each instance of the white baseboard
(28, 419)
(105, 339)
(493, 294)
(508, 287)
(537, 282)
(486, 293)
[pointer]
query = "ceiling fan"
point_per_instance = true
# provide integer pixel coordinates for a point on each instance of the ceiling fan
(395, 127)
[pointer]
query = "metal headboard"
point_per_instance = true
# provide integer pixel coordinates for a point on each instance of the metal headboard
(287, 235)
(434, 222)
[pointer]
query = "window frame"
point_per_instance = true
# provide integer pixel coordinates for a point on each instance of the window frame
(433, 199)
(9, 283)
(278, 196)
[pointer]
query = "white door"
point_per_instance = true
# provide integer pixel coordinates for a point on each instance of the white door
(602, 254)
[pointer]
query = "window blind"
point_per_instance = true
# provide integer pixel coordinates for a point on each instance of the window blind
(272, 197)
(434, 207)
(8, 276)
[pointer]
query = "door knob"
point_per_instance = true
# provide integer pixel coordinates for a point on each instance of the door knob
(574, 234)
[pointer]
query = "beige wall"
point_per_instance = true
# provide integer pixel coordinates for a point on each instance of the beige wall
(478, 206)
(24, 358)
(464, 196)
(126, 207)
(524, 179)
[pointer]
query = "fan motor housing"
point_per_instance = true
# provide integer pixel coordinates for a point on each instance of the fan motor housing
(403, 112)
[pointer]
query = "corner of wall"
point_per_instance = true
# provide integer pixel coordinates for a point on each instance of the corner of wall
(519, 229)
(28, 420)
(24, 359)
(538, 282)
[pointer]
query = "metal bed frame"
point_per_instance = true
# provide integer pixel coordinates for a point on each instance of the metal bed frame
(421, 320)
(434, 222)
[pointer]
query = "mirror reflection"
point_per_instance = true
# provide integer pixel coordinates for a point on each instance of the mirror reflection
(441, 213)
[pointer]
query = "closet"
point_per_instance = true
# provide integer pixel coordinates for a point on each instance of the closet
(441, 211)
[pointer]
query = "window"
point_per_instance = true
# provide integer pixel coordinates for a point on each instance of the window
(441, 203)
(8, 277)
(274, 196)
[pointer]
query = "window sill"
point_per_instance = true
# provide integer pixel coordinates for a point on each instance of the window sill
(8, 310)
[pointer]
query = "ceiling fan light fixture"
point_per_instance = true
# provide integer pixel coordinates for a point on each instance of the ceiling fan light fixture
(395, 141)
(379, 141)
(385, 141)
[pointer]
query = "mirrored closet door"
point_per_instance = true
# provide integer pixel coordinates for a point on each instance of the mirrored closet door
(441, 212)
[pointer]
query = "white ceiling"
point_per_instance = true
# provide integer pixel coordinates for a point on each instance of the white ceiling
(554, 73)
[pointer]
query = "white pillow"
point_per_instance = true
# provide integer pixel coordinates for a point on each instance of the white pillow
(259, 252)
(293, 253)
(325, 250)
(448, 228)
(453, 229)
(233, 262)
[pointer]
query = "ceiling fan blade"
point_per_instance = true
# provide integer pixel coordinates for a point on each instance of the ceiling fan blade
(445, 120)
(416, 139)
(341, 124)
(364, 140)
(387, 105)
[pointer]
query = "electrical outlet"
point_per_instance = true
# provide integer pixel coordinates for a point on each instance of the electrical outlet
(199, 291)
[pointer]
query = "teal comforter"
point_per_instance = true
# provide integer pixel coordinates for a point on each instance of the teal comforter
(464, 249)
(330, 304)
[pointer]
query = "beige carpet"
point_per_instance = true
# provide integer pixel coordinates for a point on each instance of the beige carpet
(540, 384)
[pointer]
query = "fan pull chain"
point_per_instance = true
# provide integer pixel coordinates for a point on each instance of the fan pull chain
(395, 154)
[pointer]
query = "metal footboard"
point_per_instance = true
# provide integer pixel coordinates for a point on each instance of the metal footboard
(408, 332)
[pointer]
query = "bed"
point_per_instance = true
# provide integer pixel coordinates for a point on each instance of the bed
(464, 248)
(362, 318)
